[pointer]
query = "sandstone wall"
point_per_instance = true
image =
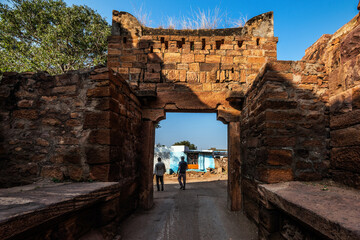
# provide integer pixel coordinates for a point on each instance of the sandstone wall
(284, 128)
(151, 58)
(340, 53)
(80, 126)
(191, 70)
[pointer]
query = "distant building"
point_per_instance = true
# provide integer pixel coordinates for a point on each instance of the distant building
(198, 160)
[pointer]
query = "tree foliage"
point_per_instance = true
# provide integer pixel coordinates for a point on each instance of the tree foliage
(47, 35)
(191, 146)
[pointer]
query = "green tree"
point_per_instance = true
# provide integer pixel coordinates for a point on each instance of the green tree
(47, 35)
(186, 143)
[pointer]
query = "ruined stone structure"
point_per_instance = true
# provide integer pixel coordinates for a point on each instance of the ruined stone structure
(192, 71)
(287, 121)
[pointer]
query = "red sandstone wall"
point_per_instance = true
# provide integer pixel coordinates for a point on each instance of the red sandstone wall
(341, 56)
(79, 126)
(284, 128)
(216, 59)
(155, 60)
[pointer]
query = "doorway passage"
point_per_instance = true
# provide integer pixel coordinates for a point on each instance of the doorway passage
(199, 138)
(197, 213)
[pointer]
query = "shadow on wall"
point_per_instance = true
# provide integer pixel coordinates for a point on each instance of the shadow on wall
(285, 123)
(284, 128)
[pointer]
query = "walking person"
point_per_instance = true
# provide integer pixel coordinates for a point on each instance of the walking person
(183, 166)
(159, 171)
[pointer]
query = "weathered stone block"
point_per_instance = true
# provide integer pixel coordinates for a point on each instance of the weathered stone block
(209, 67)
(346, 177)
(345, 120)
(194, 67)
(251, 209)
(173, 75)
(256, 59)
(129, 58)
(75, 172)
(310, 79)
(240, 60)
(280, 66)
(100, 172)
(303, 165)
(155, 57)
(213, 59)
(152, 77)
(346, 158)
(199, 58)
(283, 115)
(279, 157)
(99, 92)
(97, 154)
(97, 120)
(42, 142)
(227, 60)
(62, 140)
(172, 57)
(269, 219)
(73, 123)
(192, 77)
(65, 90)
(100, 76)
(26, 114)
(100, 136)
(169, 66)
(269, 175)
(308, 176)
(25, 103)
(346, 137)
(51, 121)
(182, 66)
(52, 172)
(187, 58)
(356, 97)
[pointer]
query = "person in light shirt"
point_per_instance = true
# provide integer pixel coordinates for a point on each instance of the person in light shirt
(159, 171)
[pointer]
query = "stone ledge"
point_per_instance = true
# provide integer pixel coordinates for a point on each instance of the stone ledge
(22, 208)
(334, 212)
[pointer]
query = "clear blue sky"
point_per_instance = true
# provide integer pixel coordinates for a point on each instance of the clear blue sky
(298, 24)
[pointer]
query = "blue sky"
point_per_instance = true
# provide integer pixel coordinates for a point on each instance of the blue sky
(298, 24)
(202, 129)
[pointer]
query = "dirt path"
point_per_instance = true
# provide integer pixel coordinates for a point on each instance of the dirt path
(195, 177)
(199, 212)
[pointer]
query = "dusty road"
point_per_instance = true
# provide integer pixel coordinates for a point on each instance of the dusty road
(199, 212)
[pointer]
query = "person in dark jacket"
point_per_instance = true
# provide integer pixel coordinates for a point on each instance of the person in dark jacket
(183, 166)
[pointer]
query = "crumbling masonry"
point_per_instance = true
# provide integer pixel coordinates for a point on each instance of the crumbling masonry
(287, 121)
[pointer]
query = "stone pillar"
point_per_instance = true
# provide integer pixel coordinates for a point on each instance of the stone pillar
(146, 165)
(234, 167)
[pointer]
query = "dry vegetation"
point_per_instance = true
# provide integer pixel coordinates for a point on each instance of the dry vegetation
(195, 19)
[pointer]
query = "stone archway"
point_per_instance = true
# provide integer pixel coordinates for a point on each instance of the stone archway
(234, 162)
(190, 71)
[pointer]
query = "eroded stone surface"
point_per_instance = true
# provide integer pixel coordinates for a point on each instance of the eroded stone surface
(334, 212)
(23, 208)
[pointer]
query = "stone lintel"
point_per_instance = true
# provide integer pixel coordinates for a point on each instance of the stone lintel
(332, 211)
(154, 115)
(26, 207)
(236, 99)
(227, 116)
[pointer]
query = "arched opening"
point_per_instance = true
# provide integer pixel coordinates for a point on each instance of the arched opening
(200, 139)
(234, 202)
